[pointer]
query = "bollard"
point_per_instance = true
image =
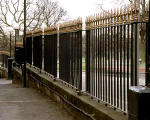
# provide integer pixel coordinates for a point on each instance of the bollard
(10, 71)
(139, 103)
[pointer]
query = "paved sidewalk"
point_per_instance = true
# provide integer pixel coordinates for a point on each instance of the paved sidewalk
(28, 104)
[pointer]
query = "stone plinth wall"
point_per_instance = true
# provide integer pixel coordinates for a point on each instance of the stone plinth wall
(81, 107)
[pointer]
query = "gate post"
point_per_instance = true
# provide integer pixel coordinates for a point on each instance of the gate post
(138, 103)
(138, 96)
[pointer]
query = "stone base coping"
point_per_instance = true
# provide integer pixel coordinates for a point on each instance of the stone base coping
(83, 106)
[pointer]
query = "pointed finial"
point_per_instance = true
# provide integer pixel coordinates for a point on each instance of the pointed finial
(132, 10)
(136, 11)
(111, 13)
(118, 14)
(121, 15)
(147, 13)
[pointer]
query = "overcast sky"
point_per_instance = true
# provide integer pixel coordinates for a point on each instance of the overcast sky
(78, 8)
(84, 8)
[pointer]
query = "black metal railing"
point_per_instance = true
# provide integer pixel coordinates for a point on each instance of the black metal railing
(112, 55)
(29, 50)
(70, 58)
(112, 63)
(37, 51)
(50, 54)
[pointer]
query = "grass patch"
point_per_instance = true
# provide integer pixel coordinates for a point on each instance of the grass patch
(83, 64)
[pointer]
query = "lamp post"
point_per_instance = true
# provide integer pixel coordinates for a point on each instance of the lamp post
(24, 44)
(10, 45)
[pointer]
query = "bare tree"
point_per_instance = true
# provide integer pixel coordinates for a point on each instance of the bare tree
(113, 3)
(38, 12)
(52, 13)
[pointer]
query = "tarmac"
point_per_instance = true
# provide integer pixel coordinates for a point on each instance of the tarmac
(18, 103)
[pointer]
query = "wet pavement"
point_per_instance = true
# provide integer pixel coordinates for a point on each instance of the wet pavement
(28, 104)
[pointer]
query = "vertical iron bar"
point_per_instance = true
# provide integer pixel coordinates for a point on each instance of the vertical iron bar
(125, 67)
(75, 50)
(128, 62)
(68, 52)
(136, 57)
(106, 57)
(114, 66)
(60, 54)
(96, 43)
(117, 66)
(91, 61)
(73, 83)
(103, 63)
(96, 61)
(76, 60)
(55, 55)
(73, 42)
(71, 58)
(80, 58)
(94, 69)
(108, 68)
(78, 63)
(98, 58)
(101, 67)
(75, 54)
(132, 56)
(121, 45)
(74, 68)
(68, 57)
(42, 40)
(111, 65)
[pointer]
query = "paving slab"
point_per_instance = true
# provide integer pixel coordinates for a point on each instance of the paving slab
(18, 103)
